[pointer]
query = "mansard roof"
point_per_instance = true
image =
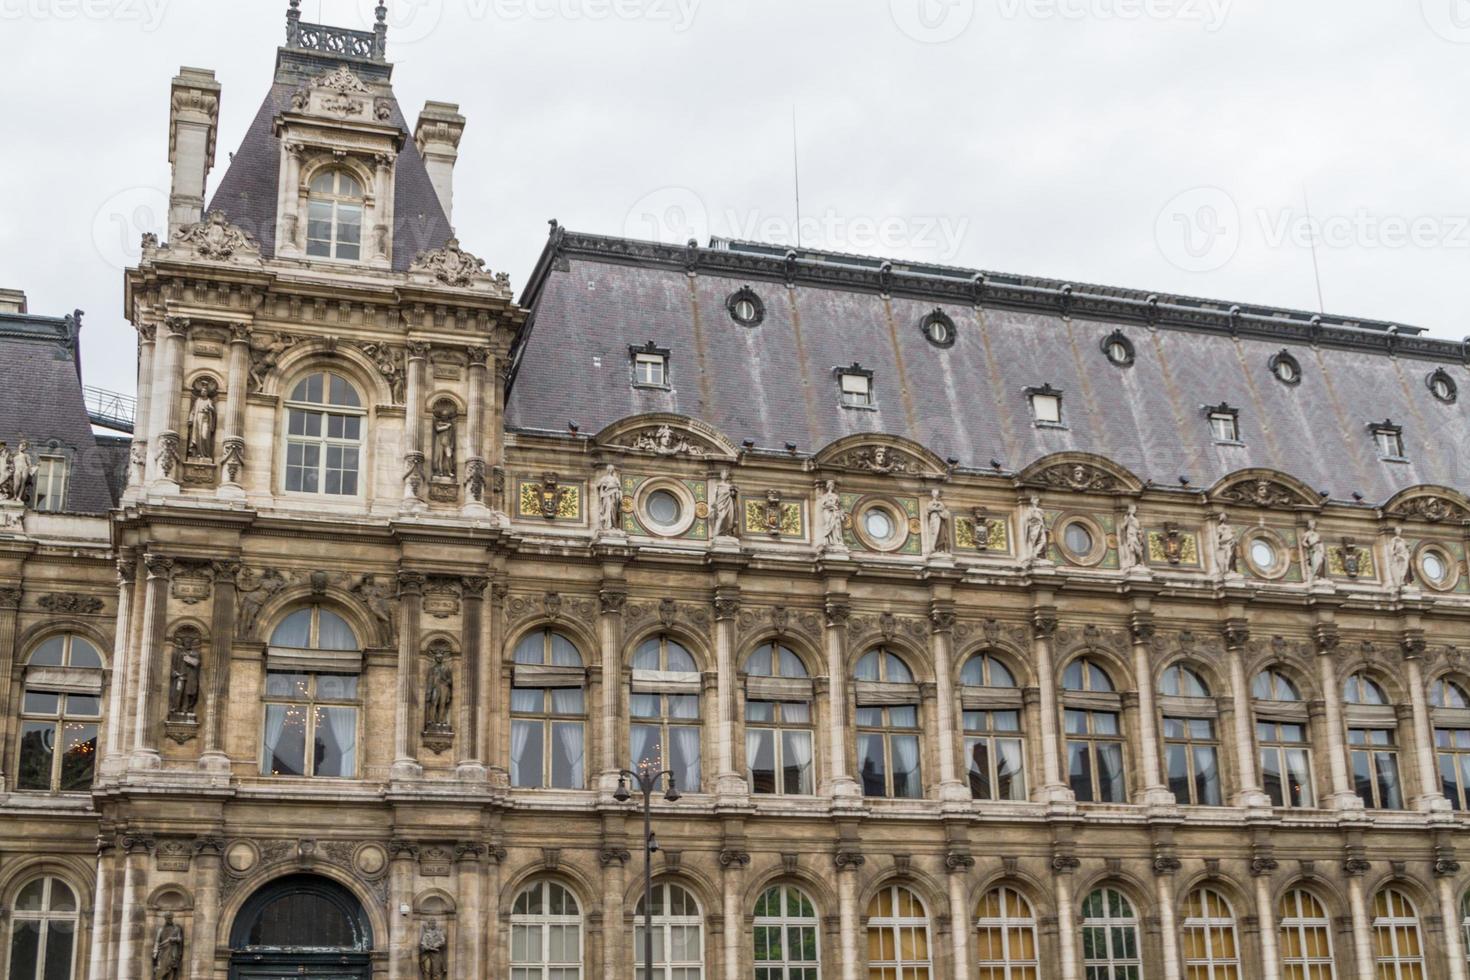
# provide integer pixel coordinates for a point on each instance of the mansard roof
(592, 298)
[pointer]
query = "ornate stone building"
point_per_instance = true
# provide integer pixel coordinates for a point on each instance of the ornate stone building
(995, 628)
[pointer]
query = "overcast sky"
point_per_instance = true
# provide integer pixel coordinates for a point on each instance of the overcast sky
(1159, 144)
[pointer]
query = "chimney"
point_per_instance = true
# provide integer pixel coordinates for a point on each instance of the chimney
(437, 134)
(13, 301)
(193, 123)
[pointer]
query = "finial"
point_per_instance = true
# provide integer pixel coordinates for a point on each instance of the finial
(293, 22)
(380, 31)
(382, 12)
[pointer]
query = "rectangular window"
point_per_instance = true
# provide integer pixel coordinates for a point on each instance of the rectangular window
(778, 759)
(1095, 757)
(58, 741)
(888, 757)
(319, 229)
(1453, 746)
(1286, 772)
(1224, 427)
(857, 390)
(1375, 765)
(649, 370)
(1193, 760)
(308, 731)
(1047, 409)
(48, 493)
(1390, 443)
(993, 748)
(658, 741)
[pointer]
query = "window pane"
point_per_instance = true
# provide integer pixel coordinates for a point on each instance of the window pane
(1110, 772)
(870, 764)
(37, 740)
(285, 740)
(79, 755)
(796, 761)
(566, 755)
(25, 947)
(760, 752)
(336, 742)
(527, 743)
(60, 942)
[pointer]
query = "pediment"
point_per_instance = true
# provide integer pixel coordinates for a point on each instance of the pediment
(880, 454)
(1265, 489)
(1080, 473)
(341, 94)
(1430, 504)
(667, 436)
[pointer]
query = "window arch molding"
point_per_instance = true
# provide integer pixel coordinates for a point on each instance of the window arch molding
(694, 644)
(913, 657)
(358, 169)
(811, 659)
(307, 357)
(694, 881)
(1012, 660)
(816, 889)
(572, 879)
(368, 922)
(1320, 888)
(588, 645)
(1300, 677)
(44, 890)
(928, 889)
(1215, 682)
(1139, 893)
(32, 639)
(1392, 686)
(79, 879)
(1119, 672)
(1020, 881)
(343, 604)
(1446, 676)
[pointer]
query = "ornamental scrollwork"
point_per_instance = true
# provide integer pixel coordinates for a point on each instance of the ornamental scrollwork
(1077, 477)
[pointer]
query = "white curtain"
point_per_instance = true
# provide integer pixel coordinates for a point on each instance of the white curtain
(520, 734)
(686, 755)
(798, 755)
(333, 633)
(275, 724)
(753, 737)
(343, 725)
(906, 763)
(569, 737)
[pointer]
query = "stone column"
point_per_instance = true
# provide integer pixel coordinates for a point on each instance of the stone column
(217, 682)
(1343, 797)
(615, 937)
(1063, 866)
(193, 122)
(1237, 634)
(1164, 867)
(413, 429)
(204, 936)
(470, 927)
(291, 198)
(167, 463)
(410, 603)
(9, 613)
(611, 598)
(730, 782)
(733, 862)
(114, 759)
(403, 856)
(1053, 789)
(474, 464)
(941, 644)
(1356, 867)
(102, 910)
(1155, 792)
(142, 420)
(1445, 869)
(494, 719)
(150, 651)
(471, 763)
(131, 944)
(840, 782)
(960, 914)
(382, 209)
(1429, 798)
(848, 863)
(232, 447)
(496, 956)
(1261, 867)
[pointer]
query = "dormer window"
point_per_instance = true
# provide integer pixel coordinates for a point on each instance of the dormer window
(855, 386)
(650, 366)
(1442, 386)
(1046, 405)
(1390, 439)
(1224, 423)
(1286, 368)
(334, 216)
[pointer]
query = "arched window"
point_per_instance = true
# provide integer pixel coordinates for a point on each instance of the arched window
(548, 713)
(898, 936)
(60, 710)
(1306, 937)
(1094, 736)
(664, 706)
(1007, 937)
(311, 696)
(1398, 949)
(1448, 702)
(1281, 731)
(1110, 937)
(334, 216)
(1448, 694)
(778, 718)
(992, 718)
(324, 416)
(678, 936)
(1191, 745)
(887, 726)
(302, 924)
(43, 931)
(1210, 949)
(786, 929)
(1372, 743)
(545, 934)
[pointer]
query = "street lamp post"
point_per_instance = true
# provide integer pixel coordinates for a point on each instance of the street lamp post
(647, 781)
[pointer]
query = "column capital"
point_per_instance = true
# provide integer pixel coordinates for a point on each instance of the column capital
(1236, 633)
(1326, 637)
(837, 609)
(956, 862)
(213, 846)
(10, 597)
(1445, 865)
(610, 601)
(177, 326)
(1356, 867)
(226, 569)
(1263, 861)
(1412, 643)
(941, 615)
(138, 844)
(410, 583)
(240, 333)
(478, 356)
(1141, 625)
(1064, 863)
(727, 603)
(159, 566)
(732, 857)
(474, 586)
(418, 350)
(1167, 864)
(848, 860)
(1044, 622)
(472, 852)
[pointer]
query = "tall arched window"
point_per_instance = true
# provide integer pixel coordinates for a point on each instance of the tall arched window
(1372, 743)
(1006, 946)
(1094, 736)
(545, 934)
(1110, 949)
(778, 719)
(664, 708)
(334, 216)
(1306, 937)
(43, 931)
(1210, 949)
(994, 749)
(60, 711)
(887, 726)
(547, 713)
(311, 696)
(1448, 710)
(324, 417)
(1191, 745)
(1281, 731)
(1398, 949)
(786, 929)
(678, 936)
(898, 936)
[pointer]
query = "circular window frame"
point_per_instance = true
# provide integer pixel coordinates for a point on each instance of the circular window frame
(1285, 357)
(951, 332)
(1440, 374)
(900, 518)
(746, 294)
(1118, 337)
(1094, 529)
(687, 505)
(1451, 566)
(1278, 569)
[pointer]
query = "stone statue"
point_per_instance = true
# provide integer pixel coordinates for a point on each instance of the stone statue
(22, 472)
(183, 684)
(609, 489)
(726, 511)
(168, 950)
(254, 589)
(829, 519)
(432, 957)
(263, 360)
(380, 598)
(438, 693)
(443, 463)
(1226, 553)
(1315, 552)
(1036, 535)
(1398, 560)
(1131, 548)
(7, 473)
(937, 522)
(202, 419)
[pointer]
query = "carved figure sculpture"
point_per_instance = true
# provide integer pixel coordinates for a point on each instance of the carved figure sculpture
(445, 425)
(7, 473)
(254, 589)
(1226, 553)
(183, 684)
(726, 523)
(168, 950)
(202, 419)
(1314, 550)
(438, 693)
(432, 959)
(1131, 550)
(263, 360)
(379, 597)
(829, 519)
(1398, 559)
(1036, 535)
(609, 489)
(22, 472)
(937, 523)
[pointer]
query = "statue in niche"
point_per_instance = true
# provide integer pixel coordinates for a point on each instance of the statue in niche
(1314, 549)
(726, 520)
(202, 419)
(1226, 553)
(609, 489)
(1131, 553)
(438, 693)
(937, 521)
(445, 425)
(829, 519)
(168, 950)
(1036, 535)
(1399, 562)
(432, 957)
(183, 683)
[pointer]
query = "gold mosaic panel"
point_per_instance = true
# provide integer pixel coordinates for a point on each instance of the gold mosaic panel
(999, 537)
(790, 523)
(531, 493)
(1337, 565)
(1188, 548)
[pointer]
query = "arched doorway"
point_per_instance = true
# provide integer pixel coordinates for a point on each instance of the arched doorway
(301, 926)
